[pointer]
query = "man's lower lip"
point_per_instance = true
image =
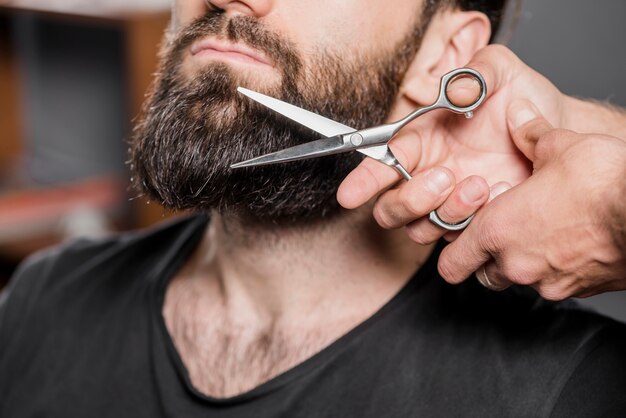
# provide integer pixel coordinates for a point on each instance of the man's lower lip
(213, 54)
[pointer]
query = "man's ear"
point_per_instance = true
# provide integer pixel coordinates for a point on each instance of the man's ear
(451, 40)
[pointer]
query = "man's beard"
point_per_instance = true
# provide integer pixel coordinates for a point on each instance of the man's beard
(193, 130)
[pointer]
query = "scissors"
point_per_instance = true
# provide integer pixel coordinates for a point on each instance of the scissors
(372, 142)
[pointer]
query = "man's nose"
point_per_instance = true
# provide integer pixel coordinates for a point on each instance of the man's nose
(255, 8)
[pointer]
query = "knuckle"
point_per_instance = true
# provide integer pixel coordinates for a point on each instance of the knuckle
(496, 53)
(550, 140)
(492, 235)
(497, 63)
(544, 146)
(413, 203)
(552, 293)
(447, 271)
(516, 272)
(419, 233)
(383, 217)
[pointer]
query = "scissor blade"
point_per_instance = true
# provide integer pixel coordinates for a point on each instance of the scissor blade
(319, 148)
(313, 121)
(379, 152)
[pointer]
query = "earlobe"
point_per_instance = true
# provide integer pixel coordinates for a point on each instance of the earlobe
(452, 39)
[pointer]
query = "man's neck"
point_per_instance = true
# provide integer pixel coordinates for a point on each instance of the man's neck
(288, 292)
(286, 272)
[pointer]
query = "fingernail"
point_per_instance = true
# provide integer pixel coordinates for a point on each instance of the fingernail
(463, 83)
(472, 192)
(521, 112)
(438, 181)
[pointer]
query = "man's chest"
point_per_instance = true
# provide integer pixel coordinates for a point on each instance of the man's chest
(227, 351)
(223, 359)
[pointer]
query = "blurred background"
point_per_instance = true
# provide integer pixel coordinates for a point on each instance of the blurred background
(73, 74)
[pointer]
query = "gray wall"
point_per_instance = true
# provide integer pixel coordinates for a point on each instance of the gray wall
(581, 46)
(74, 99)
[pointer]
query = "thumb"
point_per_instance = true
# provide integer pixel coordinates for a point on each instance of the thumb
(463, 91)
(526, 126)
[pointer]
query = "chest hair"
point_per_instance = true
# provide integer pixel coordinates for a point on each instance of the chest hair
(225, 358)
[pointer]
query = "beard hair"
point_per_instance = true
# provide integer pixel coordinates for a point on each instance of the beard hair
(192, 130)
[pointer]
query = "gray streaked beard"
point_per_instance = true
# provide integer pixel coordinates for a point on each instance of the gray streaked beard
(191, 131)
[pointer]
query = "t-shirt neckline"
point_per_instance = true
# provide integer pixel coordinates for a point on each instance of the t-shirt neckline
(164, 275)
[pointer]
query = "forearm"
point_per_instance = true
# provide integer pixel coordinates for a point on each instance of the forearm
(589, 116)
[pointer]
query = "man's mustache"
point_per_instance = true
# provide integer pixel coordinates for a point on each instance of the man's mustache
(239, 29)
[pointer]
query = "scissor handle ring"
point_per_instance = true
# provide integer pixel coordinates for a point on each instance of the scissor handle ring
(435, 219)
(445, 102)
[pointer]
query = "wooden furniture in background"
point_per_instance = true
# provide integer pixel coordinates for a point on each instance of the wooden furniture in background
(10, 123)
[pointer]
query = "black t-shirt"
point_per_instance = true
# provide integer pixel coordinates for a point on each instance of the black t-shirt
(82, 335)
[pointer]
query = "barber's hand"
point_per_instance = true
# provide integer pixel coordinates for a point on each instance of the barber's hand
(562, 230)
(478, 153)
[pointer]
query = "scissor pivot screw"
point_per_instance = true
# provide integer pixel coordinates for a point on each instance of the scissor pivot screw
(469, 115)
(356, 140)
